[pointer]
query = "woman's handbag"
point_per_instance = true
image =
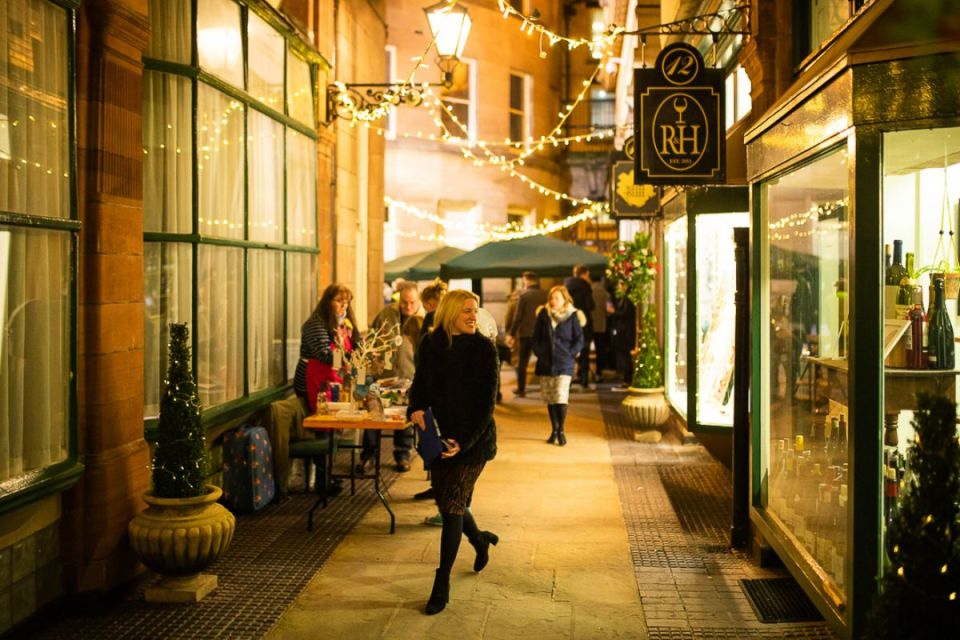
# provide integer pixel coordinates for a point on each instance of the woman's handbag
(429, 444)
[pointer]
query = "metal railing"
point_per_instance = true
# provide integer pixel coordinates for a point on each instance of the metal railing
(591, 116)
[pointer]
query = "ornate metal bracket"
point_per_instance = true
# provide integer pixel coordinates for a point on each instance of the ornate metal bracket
(733, 21)
(344, 100)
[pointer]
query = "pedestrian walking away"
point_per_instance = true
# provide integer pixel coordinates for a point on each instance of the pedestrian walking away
(557, 340)
(521, 329)
(581, 292)
(456, 377)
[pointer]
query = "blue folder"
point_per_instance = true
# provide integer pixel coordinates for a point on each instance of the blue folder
(429, 445)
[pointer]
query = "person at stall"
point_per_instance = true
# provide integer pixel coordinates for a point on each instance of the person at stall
(391, 318)
(408, 348)
(457, 377)
(331, 326)
(557, 340)
(331, 323)
(430, 298)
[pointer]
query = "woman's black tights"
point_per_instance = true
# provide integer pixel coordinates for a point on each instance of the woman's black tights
(454, 528)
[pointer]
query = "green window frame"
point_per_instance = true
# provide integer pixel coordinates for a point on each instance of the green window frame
(47, 460)
(258, 215)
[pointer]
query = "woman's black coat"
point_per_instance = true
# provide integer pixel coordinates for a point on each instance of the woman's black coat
(557, 347)
(459, 382)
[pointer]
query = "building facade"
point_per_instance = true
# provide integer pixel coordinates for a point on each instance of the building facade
(161, 161)
(503, 90)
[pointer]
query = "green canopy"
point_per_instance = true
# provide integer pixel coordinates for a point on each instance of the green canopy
(544, 255)
(420, 266)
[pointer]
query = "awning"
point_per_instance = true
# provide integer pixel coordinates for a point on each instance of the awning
(544, 255)
(420, 266)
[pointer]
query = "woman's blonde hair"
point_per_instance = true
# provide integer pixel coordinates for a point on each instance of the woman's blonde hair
(450, 307)
(563, 292)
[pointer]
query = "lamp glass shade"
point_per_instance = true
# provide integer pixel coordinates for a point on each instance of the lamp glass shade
(450, 26)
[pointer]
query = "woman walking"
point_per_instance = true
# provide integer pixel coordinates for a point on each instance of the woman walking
(557, 339)
(457, 378)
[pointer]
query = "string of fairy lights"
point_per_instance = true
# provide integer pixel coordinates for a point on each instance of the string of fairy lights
(487, 232)
(530, 24)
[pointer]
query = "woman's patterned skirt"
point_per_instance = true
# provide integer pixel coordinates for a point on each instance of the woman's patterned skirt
(453, 486)
(555, 389)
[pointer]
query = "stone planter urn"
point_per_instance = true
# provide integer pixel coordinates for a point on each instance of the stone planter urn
(646, 410)
(178, 538)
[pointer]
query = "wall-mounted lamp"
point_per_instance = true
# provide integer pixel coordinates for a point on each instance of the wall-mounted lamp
(449, 25)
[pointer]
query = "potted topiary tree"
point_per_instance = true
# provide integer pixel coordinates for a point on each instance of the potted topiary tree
(633, 271)
(183, 529)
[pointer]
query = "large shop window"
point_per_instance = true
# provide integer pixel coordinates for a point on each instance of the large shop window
(38, 231)
(804, 264)
(921, 192)
(675, 338)
(230, 197)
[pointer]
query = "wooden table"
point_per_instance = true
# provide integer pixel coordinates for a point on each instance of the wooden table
(330, 424)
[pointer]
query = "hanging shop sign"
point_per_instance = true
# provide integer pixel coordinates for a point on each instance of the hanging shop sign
(629, 199)
(678, 120)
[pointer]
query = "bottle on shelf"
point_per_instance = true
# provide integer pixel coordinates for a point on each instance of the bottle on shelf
(888, 254)
(940, 346)
(905, 292)
(895, 273)
(916, 358)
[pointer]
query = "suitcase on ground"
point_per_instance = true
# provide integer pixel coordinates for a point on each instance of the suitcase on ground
(248, 483)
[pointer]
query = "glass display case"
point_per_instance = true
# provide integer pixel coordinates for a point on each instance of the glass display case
(716, 315)
(921, 191)
(845, 331)
(700, 309)
(675, 315)
(804, 419)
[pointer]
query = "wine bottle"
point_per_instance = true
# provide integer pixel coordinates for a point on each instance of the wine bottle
(940, 347)
(888, 256)
(906, 285)
(894, 274)
(896, 271)
(915, 355)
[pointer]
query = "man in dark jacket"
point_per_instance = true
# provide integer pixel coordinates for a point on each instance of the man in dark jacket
(521, 329)
(623, 336)
(582, 293)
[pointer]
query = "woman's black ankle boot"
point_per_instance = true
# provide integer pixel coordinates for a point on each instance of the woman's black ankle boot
(552, 410)
(485, 539)
(561, 418)
(440, 594)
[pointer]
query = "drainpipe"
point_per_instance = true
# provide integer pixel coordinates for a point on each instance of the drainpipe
(333, 153)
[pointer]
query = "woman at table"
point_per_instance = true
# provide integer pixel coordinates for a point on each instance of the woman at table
(557, 339)
(457, 377)
(331, 323)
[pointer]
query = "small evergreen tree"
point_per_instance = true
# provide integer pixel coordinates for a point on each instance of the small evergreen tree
(180, 455)
(920, 589)
(633, 272)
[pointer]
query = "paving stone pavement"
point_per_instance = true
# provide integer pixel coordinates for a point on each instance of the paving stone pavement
(677, 505)
(562, 568)
(592, 546)
(603, 538)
